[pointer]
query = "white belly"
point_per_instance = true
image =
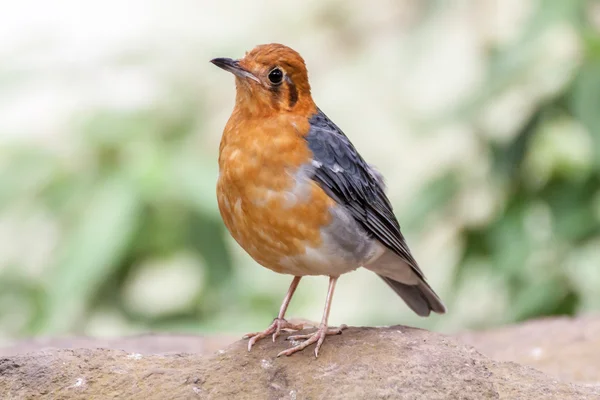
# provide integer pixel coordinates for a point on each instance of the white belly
(345, 247)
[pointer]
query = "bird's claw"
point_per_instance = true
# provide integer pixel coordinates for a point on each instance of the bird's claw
(274, 329)
(317, 337)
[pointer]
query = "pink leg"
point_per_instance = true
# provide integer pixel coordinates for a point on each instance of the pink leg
(279, 323)
(317, 337)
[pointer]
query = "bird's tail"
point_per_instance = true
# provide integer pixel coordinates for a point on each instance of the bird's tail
(420, 297)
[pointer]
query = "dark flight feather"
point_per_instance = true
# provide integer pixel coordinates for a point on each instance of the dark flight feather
(351, 182)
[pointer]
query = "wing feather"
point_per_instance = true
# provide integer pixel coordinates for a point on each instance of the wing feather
(347, 178)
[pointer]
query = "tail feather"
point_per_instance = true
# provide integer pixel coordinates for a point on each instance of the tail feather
(420, 297)
(408, 282)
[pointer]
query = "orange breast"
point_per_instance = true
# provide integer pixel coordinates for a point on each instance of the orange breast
(257, 161)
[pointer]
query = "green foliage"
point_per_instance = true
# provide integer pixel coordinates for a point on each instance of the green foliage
(131, 199)
(548, 174)
(134, 191)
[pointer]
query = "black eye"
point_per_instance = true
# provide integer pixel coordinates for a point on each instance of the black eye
(276, 76)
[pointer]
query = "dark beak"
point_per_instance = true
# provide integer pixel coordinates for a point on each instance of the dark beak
(234, 67)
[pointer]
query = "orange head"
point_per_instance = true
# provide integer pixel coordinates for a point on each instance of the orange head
(269, 79)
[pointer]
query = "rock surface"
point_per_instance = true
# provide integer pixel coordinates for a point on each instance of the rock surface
(144, 344)
(363, 363)
(567, 348)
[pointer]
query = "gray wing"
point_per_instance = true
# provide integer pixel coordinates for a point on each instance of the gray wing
(351, 182)
(359, 188)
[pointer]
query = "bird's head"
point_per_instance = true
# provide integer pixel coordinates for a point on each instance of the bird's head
(271, 78)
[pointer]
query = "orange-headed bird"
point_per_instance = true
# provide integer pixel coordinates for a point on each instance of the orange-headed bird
(298, 197)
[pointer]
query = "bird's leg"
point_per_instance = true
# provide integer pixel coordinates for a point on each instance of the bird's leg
(279, 323)
(319, 336)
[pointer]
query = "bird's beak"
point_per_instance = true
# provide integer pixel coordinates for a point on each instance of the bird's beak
(234, 67)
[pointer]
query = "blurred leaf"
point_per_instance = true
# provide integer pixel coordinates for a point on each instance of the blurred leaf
(591, 40)
(511, 64)
(508, 159)
(24, 172)
(430, 200)
(19, 300)
(551, 12)
(546, 297)
(573, 208)
(195, 181)
(112, 129)
(207, 237)
(508, 240)
(91, 253)
(586, 102)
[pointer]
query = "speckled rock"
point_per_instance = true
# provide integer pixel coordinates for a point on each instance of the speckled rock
(363, 363)
(567, 348)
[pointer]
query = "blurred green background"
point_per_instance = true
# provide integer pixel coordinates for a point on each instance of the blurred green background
(484, 116)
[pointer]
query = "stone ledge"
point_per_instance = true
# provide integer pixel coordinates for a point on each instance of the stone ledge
(394, 362)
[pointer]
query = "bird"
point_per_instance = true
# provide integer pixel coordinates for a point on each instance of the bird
(297, 196)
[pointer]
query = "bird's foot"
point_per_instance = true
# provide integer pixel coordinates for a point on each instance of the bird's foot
(273, 329)
(317, 337)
